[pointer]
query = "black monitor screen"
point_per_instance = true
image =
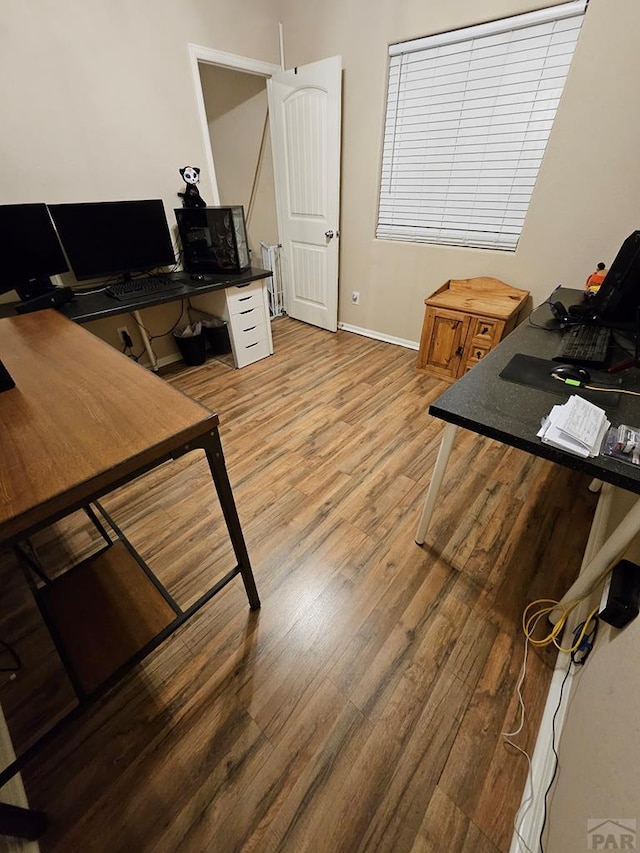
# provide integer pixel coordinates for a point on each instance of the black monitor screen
(618, 298)
(114, 237)
(29, 247)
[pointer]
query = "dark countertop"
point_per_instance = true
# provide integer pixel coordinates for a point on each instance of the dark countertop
(97, 305)
(512, 413)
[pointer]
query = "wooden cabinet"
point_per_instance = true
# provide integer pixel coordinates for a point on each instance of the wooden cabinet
(245, 308)
(463, 320)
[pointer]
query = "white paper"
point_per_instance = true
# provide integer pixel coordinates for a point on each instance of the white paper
(577, 426)
(580, 419)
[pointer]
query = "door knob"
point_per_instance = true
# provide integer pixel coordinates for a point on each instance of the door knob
(328, 234)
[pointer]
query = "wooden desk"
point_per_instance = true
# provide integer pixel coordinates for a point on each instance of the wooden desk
(82, 420)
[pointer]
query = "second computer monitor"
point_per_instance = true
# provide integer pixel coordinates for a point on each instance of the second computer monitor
(30, 250)
(114, 238)
(618, 298)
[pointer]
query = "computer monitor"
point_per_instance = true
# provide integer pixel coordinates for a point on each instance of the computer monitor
(114, 238)
(618, 298)
(30, 250)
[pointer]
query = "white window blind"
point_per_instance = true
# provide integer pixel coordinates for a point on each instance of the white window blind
(468, 117)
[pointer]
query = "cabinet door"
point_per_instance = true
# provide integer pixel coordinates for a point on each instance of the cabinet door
(442, 343)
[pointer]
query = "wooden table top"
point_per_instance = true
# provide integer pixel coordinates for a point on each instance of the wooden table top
(486, 296)
(81, 416)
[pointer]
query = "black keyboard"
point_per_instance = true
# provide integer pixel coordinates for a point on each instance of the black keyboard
(124, 290)
(586, 346)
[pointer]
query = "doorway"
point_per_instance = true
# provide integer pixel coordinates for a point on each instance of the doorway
(305, 105)
(237, 116)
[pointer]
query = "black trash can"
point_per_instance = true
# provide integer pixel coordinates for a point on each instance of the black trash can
(217, 335)
(193, 348)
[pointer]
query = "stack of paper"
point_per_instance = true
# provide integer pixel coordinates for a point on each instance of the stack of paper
(578, 427)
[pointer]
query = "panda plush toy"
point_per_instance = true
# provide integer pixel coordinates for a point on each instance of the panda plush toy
(191, 196)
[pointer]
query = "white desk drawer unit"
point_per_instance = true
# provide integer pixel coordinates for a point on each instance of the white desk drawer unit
(245, 308)
(241, 300)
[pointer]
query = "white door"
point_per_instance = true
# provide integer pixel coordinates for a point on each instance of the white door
(304, 111)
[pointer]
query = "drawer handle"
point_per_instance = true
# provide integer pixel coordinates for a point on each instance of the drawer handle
(253, 345)
(485, 330)
(248, 311)
(250, 329)
(244, 298)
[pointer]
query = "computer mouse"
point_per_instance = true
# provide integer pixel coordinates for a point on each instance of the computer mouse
(570, 371)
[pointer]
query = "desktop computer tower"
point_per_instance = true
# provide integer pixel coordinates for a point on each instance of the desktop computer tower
(214, 239)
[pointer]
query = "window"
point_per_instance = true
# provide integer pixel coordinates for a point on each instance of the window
(468, 117)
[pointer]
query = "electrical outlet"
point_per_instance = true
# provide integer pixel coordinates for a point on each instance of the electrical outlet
(125, 337)
(355, 297)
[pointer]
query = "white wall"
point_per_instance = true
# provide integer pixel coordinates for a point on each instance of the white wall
(585, 201)
(98, 102)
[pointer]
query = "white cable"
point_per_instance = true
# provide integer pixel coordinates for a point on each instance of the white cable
(525, 804)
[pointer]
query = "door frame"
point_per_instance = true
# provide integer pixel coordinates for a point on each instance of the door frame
(210, 56)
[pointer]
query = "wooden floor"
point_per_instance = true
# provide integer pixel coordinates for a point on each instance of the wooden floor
(361, 708)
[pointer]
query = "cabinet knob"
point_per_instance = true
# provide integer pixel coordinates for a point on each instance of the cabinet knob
(459, 351)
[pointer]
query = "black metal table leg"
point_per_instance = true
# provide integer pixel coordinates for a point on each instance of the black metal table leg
(30, 824)
(215, 457)
(21, 823)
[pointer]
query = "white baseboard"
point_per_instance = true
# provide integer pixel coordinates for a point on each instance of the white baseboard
(543, 761)
(378, 336)
(13, 792)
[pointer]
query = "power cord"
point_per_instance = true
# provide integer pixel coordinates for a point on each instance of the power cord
(524, 806)
(537, 325)
(90, 292)
(131, 355)
(575, 383)
(584, 636)
(161, 334)
(556, 308)
(530, 620)
(138, 356)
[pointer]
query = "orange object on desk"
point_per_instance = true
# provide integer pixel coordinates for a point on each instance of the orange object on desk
(593, 282)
